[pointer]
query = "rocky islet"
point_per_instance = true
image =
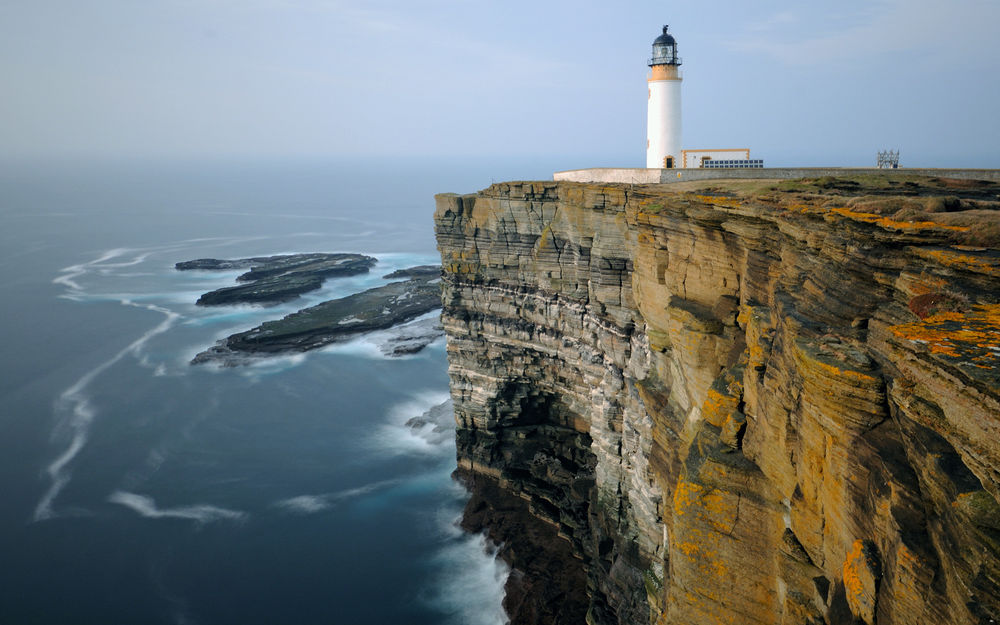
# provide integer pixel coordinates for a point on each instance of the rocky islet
(395, 307)
(275, 279)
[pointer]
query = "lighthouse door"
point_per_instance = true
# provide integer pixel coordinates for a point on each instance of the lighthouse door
(668, 162)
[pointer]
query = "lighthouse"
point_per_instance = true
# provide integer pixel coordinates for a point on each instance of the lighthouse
(663, 121)
(663, 132)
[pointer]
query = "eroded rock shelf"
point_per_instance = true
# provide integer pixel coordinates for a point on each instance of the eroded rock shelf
(752, 403)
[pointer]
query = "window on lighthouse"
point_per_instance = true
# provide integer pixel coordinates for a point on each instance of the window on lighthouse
(664, 53)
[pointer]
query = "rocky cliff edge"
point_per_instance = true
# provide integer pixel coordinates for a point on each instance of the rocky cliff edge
(749, 403)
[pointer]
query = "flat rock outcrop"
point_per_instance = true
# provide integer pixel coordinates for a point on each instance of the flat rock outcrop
(339, 319)
(420, 271)
(753, 402)
(274, 279)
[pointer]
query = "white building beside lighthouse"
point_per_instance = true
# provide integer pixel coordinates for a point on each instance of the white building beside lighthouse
(663, 117)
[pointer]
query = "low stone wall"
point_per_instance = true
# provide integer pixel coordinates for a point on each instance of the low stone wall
(654, 176)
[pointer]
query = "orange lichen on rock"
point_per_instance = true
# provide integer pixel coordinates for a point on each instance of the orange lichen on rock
(717, 407)
(893, 224)
(719, 200)
(799, 208)
(972, 337)
(927, 284)
(756, 320)
(988, 264)
(856, 377)
(836, 363)
(685, 495)
(862, 572)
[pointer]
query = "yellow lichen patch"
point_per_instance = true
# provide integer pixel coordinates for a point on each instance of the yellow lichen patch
(801, 208)
(856, 377)
(835, 363)
(852, 580)
(893, 224)
(710, 508)
(718, 407)
(906, 559)
(986, 264)
(861, 573)
(757, 354)
(928, 285)
(546, 239)
(756, 320)
(719, 200)
(972, 337)
(686, 495)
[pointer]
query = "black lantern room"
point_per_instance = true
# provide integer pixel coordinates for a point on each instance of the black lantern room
(665, 50)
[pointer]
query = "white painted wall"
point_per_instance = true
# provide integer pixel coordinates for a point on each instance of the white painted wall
(663, 123)
(694, 156)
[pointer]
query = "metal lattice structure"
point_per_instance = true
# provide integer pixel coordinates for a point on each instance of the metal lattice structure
(888, 159)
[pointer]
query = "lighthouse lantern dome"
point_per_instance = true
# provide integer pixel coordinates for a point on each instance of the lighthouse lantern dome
(665, 50)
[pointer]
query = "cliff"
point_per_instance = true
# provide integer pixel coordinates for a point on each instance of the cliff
(755, 402)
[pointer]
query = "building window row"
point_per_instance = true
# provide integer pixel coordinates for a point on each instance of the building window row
(755, 163)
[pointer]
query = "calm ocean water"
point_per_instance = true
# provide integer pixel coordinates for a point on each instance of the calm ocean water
(139, 489)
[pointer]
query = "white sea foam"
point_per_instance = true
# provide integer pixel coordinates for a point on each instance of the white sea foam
(256, 367)
(68, 275)
(470, 585)
(362, 346)
(397, 437)
(309, 504)
(200, 513)
(417, 405)
(304, 504)
(75, 413)
(370, 344)
(139, 258)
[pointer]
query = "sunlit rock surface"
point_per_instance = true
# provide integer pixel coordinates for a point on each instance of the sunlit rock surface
(748, 403)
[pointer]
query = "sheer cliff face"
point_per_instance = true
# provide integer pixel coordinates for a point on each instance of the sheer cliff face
(765, 407)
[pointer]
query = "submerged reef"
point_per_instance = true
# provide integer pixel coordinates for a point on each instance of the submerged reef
(750, 402)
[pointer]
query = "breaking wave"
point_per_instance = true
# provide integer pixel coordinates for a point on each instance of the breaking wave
(470, 585)
(423, 425)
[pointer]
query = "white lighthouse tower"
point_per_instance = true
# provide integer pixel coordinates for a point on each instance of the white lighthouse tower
(663, 121)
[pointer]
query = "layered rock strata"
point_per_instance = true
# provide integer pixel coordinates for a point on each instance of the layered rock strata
(776, 403)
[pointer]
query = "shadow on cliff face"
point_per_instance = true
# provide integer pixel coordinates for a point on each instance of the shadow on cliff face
(540, 533)
(548, 583)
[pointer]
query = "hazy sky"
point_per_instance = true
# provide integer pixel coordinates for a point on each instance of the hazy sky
(796, 82)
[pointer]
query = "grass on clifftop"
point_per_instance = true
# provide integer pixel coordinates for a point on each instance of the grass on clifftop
(968, 208)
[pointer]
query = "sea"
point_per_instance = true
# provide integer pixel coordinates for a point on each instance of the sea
(137, 488)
